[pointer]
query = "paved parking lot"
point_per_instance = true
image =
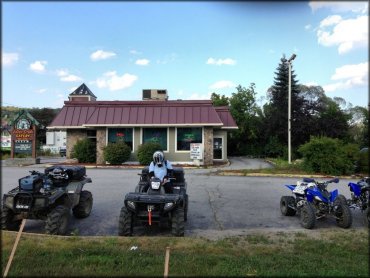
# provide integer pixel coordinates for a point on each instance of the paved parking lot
(218, 205)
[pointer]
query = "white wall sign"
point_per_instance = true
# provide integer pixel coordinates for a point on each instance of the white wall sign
(196, 151)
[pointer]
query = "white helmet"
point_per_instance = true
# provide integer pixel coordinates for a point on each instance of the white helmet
(158, 158)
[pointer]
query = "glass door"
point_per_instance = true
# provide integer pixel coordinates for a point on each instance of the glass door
(217, 148)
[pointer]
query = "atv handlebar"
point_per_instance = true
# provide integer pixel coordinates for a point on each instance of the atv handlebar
(308, 180)
(33, 172)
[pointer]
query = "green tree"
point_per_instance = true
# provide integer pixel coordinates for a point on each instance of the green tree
(359, 125)
(276, 110)
(328, 117)
(44, 116)
(218, 100)
(332, 121)
(245, 112)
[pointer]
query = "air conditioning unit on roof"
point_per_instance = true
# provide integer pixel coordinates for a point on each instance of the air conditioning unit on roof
(154, 94)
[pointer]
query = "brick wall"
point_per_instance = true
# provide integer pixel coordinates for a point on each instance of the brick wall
(208, 146)
(73, 135)
(101, 138)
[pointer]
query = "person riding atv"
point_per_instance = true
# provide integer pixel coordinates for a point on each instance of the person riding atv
(161, 169)
(159, 197)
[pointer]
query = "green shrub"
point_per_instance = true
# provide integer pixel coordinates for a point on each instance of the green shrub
(145, 152)
(274, 148)
(363, 161)
(85, 151)
(117, 153)
(328, 156)
(5, 154)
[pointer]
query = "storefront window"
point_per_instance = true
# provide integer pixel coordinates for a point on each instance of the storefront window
(156, 135)
(185, 136)
(120, 134)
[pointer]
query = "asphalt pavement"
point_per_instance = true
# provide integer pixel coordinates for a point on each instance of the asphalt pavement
(219, 206)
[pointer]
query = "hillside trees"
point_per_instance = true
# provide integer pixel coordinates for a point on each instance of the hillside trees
(44, 116)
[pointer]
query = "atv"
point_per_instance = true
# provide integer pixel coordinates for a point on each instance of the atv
(48, 196)
(313, 201)
(360, 197)
(151, 204)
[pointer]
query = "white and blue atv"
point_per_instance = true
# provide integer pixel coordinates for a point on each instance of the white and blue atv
(313, 201)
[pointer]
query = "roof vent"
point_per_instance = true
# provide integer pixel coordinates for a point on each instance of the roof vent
(153, 94)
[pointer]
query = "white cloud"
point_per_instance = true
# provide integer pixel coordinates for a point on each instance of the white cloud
(65, 76)
(114, 82)
(308, 27)
(142, 62)
(38, 66)
(222, 85)
(339, 7)
(219, 62)
(62, 72)
(330, 20)
(349, 76)
(351, 71)
(70, 78)
(347, 34)
(9, 59)
(102, 55)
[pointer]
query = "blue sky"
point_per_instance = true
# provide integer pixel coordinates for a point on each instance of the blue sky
(189, 48)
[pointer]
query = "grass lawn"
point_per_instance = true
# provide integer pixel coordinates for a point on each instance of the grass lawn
(314, 253)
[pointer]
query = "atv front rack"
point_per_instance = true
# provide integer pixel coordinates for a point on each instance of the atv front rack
(153, 199)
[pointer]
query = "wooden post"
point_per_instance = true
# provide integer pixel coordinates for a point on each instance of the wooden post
(166, 262)
(14, 248)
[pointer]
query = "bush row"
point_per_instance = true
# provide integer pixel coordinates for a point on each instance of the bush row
(320, 155)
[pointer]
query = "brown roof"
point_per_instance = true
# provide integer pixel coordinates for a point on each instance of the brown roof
(142, 113)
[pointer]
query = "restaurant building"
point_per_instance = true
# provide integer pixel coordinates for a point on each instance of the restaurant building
(177, 125)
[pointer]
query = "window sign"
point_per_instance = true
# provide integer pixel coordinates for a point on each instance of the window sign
(120, 134)
(156, 135)
(186, 136)
(196, 151)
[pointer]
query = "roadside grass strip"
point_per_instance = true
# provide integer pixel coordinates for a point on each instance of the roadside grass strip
(319, 253)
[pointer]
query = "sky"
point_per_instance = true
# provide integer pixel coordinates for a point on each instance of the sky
(191, 49)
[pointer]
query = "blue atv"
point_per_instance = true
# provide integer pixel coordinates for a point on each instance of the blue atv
(313, 201)
(360, 197)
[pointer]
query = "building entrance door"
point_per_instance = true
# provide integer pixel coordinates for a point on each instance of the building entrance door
(218, 148)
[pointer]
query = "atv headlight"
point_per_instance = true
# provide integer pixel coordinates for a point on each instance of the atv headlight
(9, 201)
(131, 204)
(155, 184)
(168, 206)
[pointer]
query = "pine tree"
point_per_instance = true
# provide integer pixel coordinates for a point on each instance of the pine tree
(276, 110)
